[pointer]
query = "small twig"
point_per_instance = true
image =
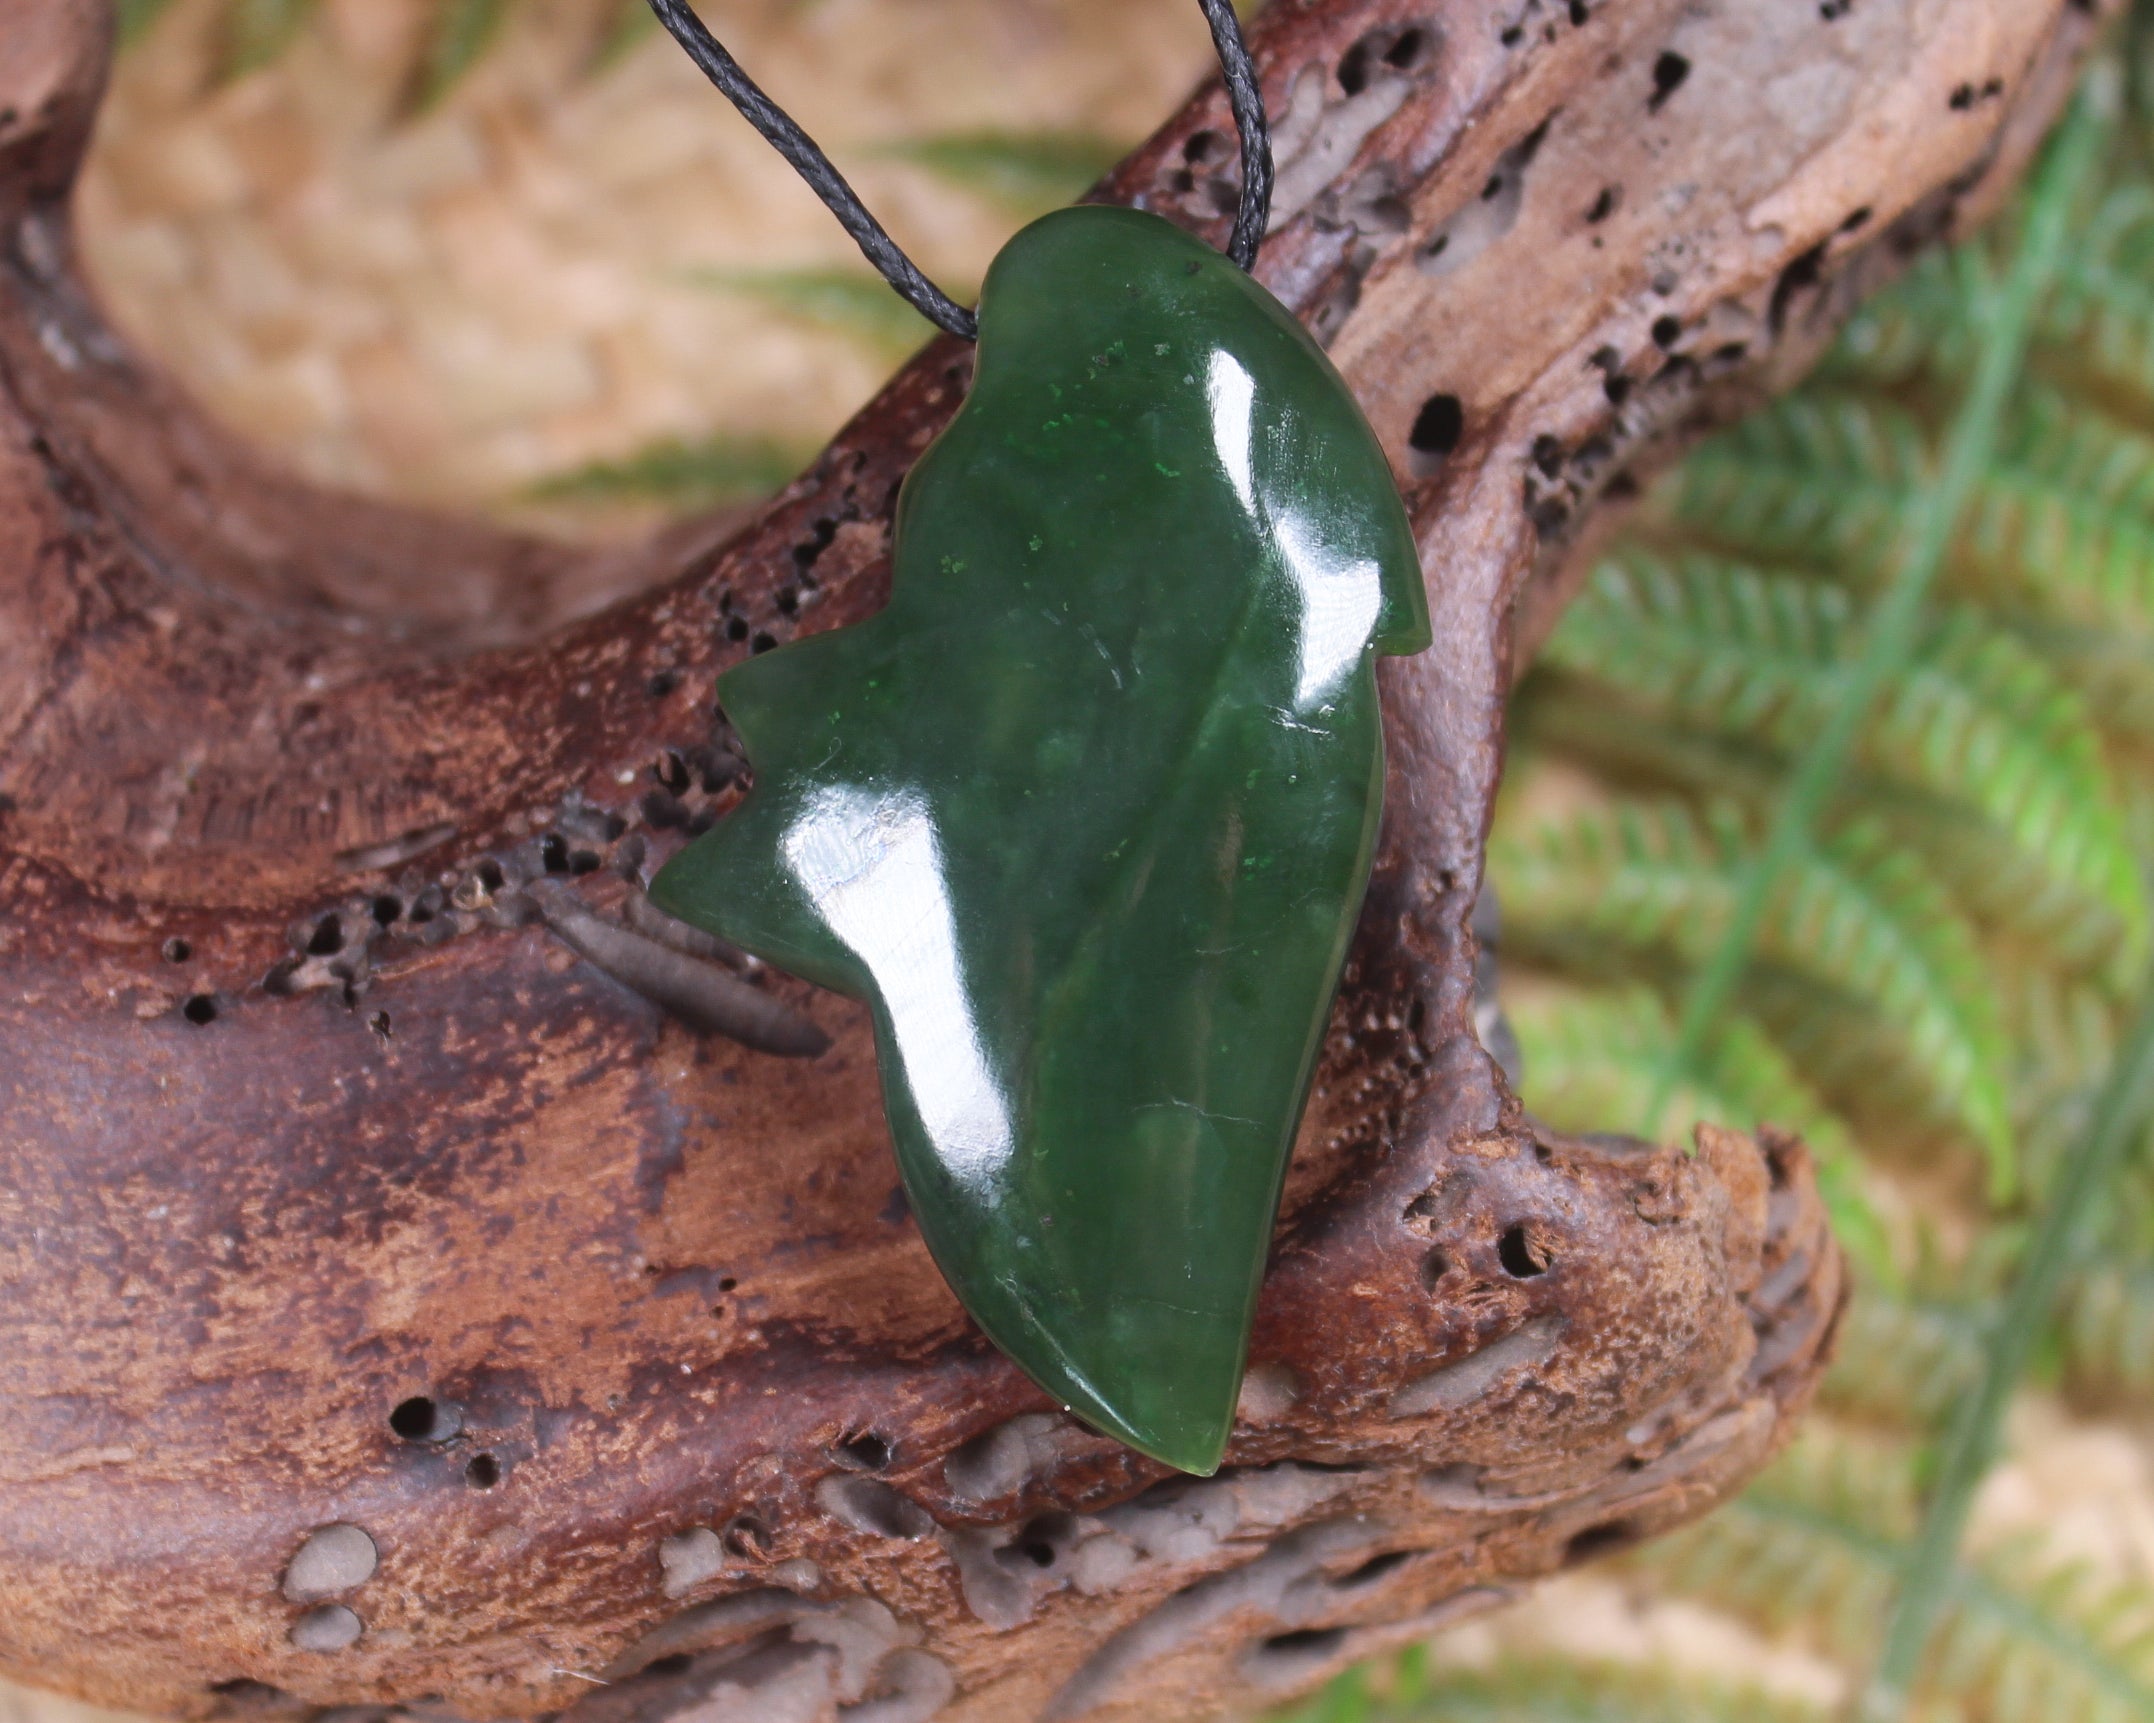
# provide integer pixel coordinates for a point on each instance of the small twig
(697, 992)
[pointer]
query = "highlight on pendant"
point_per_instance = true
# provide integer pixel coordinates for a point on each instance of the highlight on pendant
(872, 866)
(1341, 597)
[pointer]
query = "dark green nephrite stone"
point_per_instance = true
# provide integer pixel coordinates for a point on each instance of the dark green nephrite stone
(1086, 812)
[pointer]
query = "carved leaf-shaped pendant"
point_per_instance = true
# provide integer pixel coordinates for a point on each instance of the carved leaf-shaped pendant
(1086, 812)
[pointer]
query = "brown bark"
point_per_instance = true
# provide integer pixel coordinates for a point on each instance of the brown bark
(310, 1107)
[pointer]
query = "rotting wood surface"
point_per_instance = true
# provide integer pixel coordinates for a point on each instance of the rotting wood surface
(400, 1307)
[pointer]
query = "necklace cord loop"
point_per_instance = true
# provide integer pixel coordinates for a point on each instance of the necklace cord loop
(784, 135)
(1246, 97)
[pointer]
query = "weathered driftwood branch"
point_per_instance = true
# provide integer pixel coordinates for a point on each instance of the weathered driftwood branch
(400, 1306)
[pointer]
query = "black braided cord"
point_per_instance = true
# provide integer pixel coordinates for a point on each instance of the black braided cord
(1246, 97)
(806, 156)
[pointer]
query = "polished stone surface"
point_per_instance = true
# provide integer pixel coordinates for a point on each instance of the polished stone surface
(1086, 811)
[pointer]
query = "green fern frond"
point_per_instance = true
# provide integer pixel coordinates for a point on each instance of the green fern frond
(2008, 762)
(1543, 1690)
(1817, 1545)
(1827, 431)
(2071, 443)
(715, 470)
(845, 301)
(1858, 918)
(251, 34)
(2029, 1640)
(2059, 524)
(136, 17)
(2034, 544)
(1577, 718)
(1975, 724)
(2098, 330)
(1903, 1362)
(1918, 327)
(1589, 1059)
(2122, 1230)
(1588, 1056)
(2065, 1029)
(2138, 799)
(1985, 870)
(1707, 639)
(2058, 542)
(1821, 481)
(2108, 1332)
(1998, 739)
(1811, 1548)
(255, 32)
(1873, 1075)
(632, 22)
(1027, 173)
(2113, 670)
(458, 32)
(2118, 231)
(2068, 1034)
(1908, 1352)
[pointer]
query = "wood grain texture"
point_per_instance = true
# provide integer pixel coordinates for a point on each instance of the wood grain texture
(305, 1114)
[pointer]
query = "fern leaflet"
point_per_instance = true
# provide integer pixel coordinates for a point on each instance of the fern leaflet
(1819, 1544)
(1975, 723)
(1589, 1056)
(710, 471)
(255, 32)
(1857, 917)
(456, 35)
(1027, 173)
(1542, 1691)
(845, 301)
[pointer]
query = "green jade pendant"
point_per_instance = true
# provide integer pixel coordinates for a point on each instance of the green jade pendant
(1086, 811)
